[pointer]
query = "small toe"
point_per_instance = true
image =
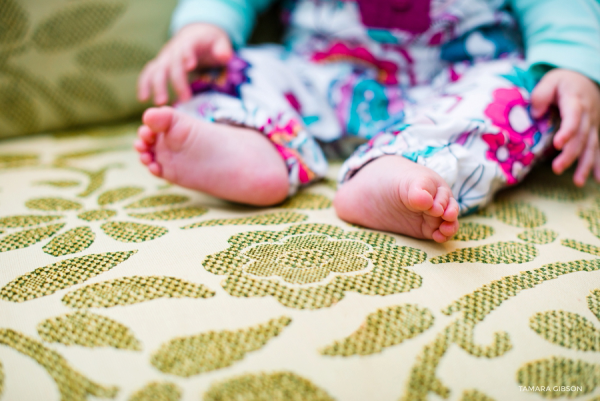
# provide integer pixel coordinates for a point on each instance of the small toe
(440, 203)
(449, 228)
(146, 158)
(141, 146)
(147, 135)
(452, 211)
(430, 225)
(155, 169)
(438, 237)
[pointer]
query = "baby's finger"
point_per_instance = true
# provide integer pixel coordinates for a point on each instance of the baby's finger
(570, 113)
(159, 84)
(586, 161)
(179, 79)
(543, 95)
(222, 51)
(573, 148)
(190, 61)
(144, 82)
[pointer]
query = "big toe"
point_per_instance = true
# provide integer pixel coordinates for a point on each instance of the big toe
(420, 195)
(158, 119)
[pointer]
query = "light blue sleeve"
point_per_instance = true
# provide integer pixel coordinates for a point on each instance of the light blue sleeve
(561, 33)
(236, 17)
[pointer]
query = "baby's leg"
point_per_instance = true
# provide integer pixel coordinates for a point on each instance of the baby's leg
(471, 138)
(232, 163)
(242, 138)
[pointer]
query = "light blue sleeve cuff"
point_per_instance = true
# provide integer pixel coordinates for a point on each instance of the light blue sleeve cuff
(566, 55)
(561, 34)
(236, 17)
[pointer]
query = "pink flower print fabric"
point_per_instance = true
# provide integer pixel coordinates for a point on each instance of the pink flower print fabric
(510, 152)
(361, 56)
(511, 148)
(283, 137)
(508, 111)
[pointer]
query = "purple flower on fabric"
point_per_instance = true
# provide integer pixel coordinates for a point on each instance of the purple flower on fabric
(227, 80)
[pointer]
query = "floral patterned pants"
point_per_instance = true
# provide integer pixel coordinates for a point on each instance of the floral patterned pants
(471, 124)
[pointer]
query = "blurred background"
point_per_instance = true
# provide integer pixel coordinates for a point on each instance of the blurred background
(66, 63)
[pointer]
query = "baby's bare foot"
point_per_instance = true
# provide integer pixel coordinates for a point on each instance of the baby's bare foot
(233, 163)
(394, 194)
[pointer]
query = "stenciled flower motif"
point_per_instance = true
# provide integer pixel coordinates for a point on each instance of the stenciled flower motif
(511, 153)
(80, 238)
(508, 111)
(307, 258)
(224, 80)
(310, 266)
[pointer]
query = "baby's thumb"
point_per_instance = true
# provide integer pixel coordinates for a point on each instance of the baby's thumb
(542, 97)
(221, 50)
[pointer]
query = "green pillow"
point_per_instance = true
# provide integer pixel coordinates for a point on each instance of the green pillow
(66, 63)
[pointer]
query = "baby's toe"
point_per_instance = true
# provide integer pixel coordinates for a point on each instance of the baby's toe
(430, 225)
(141, 146)
(449, 228)
(146, 158)
(147, 135)
(437, 236)
(440, 203)
(155, 169)
(419, 196)
(452, 211)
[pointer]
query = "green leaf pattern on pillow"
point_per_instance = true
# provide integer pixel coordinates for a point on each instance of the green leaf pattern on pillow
(73, 62)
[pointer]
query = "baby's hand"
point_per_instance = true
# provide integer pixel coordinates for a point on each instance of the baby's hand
(578, 99)
(197, 44)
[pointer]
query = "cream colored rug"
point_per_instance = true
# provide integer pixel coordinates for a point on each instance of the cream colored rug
(117, 285)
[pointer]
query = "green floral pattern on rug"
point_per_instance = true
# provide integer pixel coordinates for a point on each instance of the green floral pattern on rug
(559, 377)
(132, 290)
(568, 329)
(311, 254)
(500, 252)
(47, 280)
(205, 352)
(80, 238)
(280, 386)
(306, 259)
(469, 231)
(518, 214)
(384, 328)
(156, 391)
(175, 295)
(72, 385)
(88, 330)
